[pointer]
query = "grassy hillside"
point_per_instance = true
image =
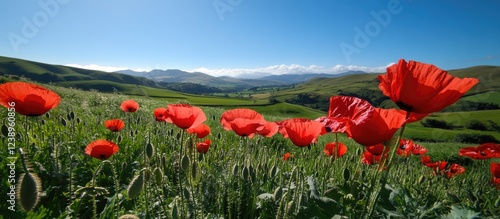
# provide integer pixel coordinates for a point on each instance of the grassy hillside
(47, 73)
(316, 92)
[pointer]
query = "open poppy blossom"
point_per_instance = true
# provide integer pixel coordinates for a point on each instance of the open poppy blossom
(29, 99)
(114, 125)
(244, 122)
(101, 149)
(160, 114)
(454, 170)
(333, 124)
(302, 132)
(129, 106)
(377, 149)
(405, 148)
(201, 131)
(331, 149)
(369, 158)
(495, 171)
(287, 156)
(366, 124)
(422, 88)
(418, 149)
(185, 116)
(481, 152)
(269, 129)
(202, 147)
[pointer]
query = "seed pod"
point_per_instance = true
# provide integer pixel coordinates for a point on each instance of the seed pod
(175, 213)
(245, 173)
(135, 187)
(5, 130)
(235, 170)
(421, 179)
(63, 122)
(28, 191)
(346, 174)
(290, 206)
(47, 115)
(150, 150)
(273, 171)
(193, 170)
(185, 163)
(278, 193)
(158, 175)
(128, 216)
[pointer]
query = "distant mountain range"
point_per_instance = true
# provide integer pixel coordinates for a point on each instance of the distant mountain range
(172, 79)
(179, 76)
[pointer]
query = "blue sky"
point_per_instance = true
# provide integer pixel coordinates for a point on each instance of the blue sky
(232, 37)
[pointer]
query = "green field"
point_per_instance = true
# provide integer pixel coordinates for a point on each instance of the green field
(237, 178)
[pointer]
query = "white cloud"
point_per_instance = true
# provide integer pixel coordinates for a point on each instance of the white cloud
(289, 69)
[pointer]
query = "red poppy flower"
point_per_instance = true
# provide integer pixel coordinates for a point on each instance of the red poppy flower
(377, 149)
(114, 125)
(201, 131)
(454, 170)
(129, 106)
(481, 152)
(405, 148)
(185, 116)
(202, 147)
(418, 149)
(244, 122)
(29, 99)
(366, 124)
(331, 149)
(101, 149)
(160, 114)
(287, 156)
(422, 88)
(333, 124)
(370, 159)
(269, 129)
(495, 171)
(302, 132)
(441, 167)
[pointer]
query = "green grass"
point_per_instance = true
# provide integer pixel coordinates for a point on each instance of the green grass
(237, 178)
(488, 97)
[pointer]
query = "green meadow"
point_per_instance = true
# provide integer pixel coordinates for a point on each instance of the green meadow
(157, 172)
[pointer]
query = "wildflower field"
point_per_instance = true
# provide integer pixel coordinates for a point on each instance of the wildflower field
(96, 155)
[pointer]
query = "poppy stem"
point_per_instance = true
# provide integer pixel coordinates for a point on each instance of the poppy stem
(385, 175)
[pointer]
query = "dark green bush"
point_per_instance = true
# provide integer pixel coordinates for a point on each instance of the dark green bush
(434, 123)
(476, 125)
(474, 138)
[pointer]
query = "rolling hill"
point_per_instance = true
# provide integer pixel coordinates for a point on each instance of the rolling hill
(47, 73)
(315, 93)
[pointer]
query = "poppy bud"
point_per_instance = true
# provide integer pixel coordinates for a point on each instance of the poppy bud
(28, 191)
(128, 216)
(135, 187)
(185, 163)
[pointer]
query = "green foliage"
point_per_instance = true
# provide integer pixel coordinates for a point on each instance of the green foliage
(475, 138)
(476, 125)
(434, 123)
(237, 178)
